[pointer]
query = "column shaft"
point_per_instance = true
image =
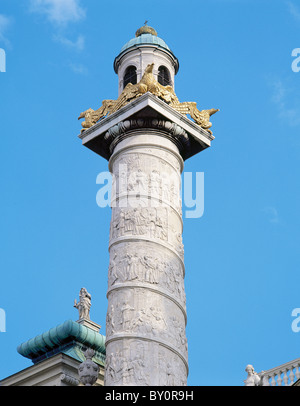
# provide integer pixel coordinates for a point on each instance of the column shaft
(146, 318)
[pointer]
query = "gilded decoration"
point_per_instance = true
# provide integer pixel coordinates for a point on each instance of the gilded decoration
(148, 84)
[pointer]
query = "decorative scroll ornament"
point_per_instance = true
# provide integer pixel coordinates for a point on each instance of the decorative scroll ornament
(148, 84)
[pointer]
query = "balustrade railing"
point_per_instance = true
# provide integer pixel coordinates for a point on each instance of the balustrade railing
(284, 375)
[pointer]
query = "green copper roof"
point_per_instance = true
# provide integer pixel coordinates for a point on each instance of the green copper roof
(145, 36)
(145, 39)
(68, 338)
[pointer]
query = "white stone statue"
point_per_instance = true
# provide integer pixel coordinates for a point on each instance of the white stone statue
(253, 379)
(84, 304)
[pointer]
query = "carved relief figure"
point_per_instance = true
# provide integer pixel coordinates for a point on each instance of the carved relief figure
(127, 367)
(155, 183)
(110, 321)
(126, 316)
(153, 268)
(113, 270)
(152, 180)
(171, 369)
(138, 182)
(140, 221)
(147, 320)
(113, 367)
(132, 267)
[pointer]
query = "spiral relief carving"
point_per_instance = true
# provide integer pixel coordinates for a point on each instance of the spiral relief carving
(146, 296)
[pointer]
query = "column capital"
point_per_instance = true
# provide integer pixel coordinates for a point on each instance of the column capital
(151, 113)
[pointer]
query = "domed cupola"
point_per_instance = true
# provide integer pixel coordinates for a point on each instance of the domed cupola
(142, 50)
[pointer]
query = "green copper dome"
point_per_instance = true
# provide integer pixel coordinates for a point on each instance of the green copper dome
(145, 39)
(145, 36)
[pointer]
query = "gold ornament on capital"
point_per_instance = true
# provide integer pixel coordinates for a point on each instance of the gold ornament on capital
(148, 83)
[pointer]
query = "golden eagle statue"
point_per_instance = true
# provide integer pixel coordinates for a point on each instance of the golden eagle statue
(147, 84)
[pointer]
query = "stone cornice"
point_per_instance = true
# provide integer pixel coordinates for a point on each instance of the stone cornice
(147, 112)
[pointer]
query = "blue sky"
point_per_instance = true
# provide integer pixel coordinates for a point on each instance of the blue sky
(241, 256)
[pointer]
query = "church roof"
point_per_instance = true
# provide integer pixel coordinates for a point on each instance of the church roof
(69, 338)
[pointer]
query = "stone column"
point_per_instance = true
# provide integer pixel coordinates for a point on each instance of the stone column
(146, 318)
